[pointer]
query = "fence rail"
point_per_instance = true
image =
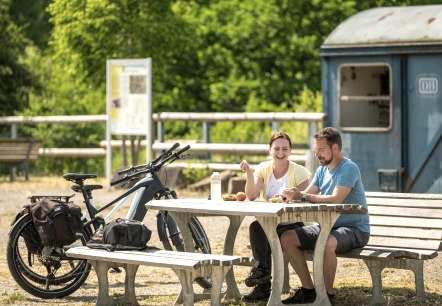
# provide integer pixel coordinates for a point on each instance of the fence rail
(312, 119)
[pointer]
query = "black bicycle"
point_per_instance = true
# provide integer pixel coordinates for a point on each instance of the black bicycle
(47, 272)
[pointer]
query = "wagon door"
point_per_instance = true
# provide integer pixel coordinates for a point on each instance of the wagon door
(423, 124)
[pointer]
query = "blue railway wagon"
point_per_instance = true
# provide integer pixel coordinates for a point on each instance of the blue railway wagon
(381, 84)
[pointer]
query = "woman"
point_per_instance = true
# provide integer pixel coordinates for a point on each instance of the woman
(269, 180)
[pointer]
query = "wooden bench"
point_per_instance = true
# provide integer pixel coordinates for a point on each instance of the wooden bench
(187, 266)
(406, 231)
(15, 152)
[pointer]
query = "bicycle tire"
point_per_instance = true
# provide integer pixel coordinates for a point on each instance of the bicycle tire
(168, 232)
(170, 237)
(199, 235)
(31, 269)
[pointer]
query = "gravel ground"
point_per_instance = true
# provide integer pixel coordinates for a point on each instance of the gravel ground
(161, 286)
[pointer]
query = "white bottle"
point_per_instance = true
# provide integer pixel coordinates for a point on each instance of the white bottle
(215, 186)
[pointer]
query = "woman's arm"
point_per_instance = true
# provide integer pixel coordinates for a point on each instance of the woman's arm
(253, 186)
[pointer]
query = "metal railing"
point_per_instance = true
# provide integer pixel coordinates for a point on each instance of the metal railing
(312, 119)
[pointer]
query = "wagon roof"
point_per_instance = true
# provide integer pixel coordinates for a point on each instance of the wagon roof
(385, 26)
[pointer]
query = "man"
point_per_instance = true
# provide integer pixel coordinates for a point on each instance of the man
(337, 180)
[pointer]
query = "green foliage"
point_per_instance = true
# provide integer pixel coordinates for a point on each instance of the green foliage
(15, 77)
(64, 95)
(213, 56)
(32, 17)
(193, 175)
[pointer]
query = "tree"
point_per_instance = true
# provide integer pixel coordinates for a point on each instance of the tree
(15, 78)
(32, 18)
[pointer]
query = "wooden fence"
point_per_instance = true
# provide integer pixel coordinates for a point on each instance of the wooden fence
(311, 119)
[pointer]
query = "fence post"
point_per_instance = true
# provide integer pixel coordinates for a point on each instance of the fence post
(13, 169)
(275, 126)
(160, 131)
(206, 135)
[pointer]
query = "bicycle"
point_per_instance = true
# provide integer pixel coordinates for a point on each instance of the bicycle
(46, 272)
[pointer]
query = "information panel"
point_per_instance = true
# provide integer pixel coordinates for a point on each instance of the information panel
(129, 102)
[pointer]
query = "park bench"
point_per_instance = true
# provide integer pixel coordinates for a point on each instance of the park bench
(187, 266)
(16, 152)
(406, 231)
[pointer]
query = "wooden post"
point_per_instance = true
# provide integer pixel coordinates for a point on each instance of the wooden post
(206, 136)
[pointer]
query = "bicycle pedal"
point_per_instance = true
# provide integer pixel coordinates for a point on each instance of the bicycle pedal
(204, 282)
(115, 270)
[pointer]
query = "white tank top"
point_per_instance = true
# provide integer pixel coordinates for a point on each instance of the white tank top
(275, 186)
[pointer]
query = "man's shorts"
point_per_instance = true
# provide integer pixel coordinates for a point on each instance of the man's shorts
(348, 237)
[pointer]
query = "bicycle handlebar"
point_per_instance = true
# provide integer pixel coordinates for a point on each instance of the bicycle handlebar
(171, 158)
(156, 160)
(154, 165)
(181, 151)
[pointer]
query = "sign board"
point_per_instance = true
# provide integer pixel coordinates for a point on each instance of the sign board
(128, 102)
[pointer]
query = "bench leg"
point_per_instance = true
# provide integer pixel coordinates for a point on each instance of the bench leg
(375, 267)
(186, 295)
(218, 275)
(129, 285)
(418, 269)
(102, 268)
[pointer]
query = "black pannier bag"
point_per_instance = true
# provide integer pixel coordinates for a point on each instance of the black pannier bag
(57, 223)
(29, 234)
(122, 234)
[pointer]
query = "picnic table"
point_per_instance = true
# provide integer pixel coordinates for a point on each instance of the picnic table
(269, 215)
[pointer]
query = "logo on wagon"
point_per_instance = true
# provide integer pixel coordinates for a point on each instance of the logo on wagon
(428, 84)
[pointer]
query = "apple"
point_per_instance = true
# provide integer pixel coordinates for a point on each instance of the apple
(240, 196)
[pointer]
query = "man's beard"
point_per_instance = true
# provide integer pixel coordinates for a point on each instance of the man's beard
(325, 162)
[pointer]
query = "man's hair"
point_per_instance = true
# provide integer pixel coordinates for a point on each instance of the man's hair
(332, 136)
(280, 135)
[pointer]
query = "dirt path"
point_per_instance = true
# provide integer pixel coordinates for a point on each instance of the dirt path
(161, 286)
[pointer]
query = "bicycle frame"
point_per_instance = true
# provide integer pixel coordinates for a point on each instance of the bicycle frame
(145, 190)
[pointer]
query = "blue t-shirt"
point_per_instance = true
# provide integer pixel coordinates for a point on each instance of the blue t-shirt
(345, 174)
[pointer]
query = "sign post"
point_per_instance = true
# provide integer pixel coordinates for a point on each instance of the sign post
(128, 103)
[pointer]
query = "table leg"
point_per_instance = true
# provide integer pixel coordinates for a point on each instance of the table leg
(181, 218)
(269, 225)
(232, 290)
(326, 221)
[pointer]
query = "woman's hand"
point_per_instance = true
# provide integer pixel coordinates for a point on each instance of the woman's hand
(245, 167)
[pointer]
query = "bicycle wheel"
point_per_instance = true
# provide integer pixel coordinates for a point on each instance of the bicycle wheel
(170, 236)
(199, 235)
(43, 271)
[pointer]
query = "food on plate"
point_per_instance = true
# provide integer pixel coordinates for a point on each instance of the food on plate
(229, 197)
(274, 200)
(240, 196)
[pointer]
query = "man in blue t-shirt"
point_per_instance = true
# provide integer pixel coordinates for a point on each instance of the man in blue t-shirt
(337, 180)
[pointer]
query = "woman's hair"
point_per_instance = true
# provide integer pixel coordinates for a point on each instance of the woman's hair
(331, 135)
(280, 135)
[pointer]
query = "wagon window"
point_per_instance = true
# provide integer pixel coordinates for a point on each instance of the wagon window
(365, 100)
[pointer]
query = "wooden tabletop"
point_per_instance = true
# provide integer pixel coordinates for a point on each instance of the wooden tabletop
(247, 208)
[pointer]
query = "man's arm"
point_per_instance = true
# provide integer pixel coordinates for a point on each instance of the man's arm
(312, 195)
(338, 196)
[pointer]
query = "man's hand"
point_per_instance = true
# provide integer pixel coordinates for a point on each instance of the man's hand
(292, 194)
